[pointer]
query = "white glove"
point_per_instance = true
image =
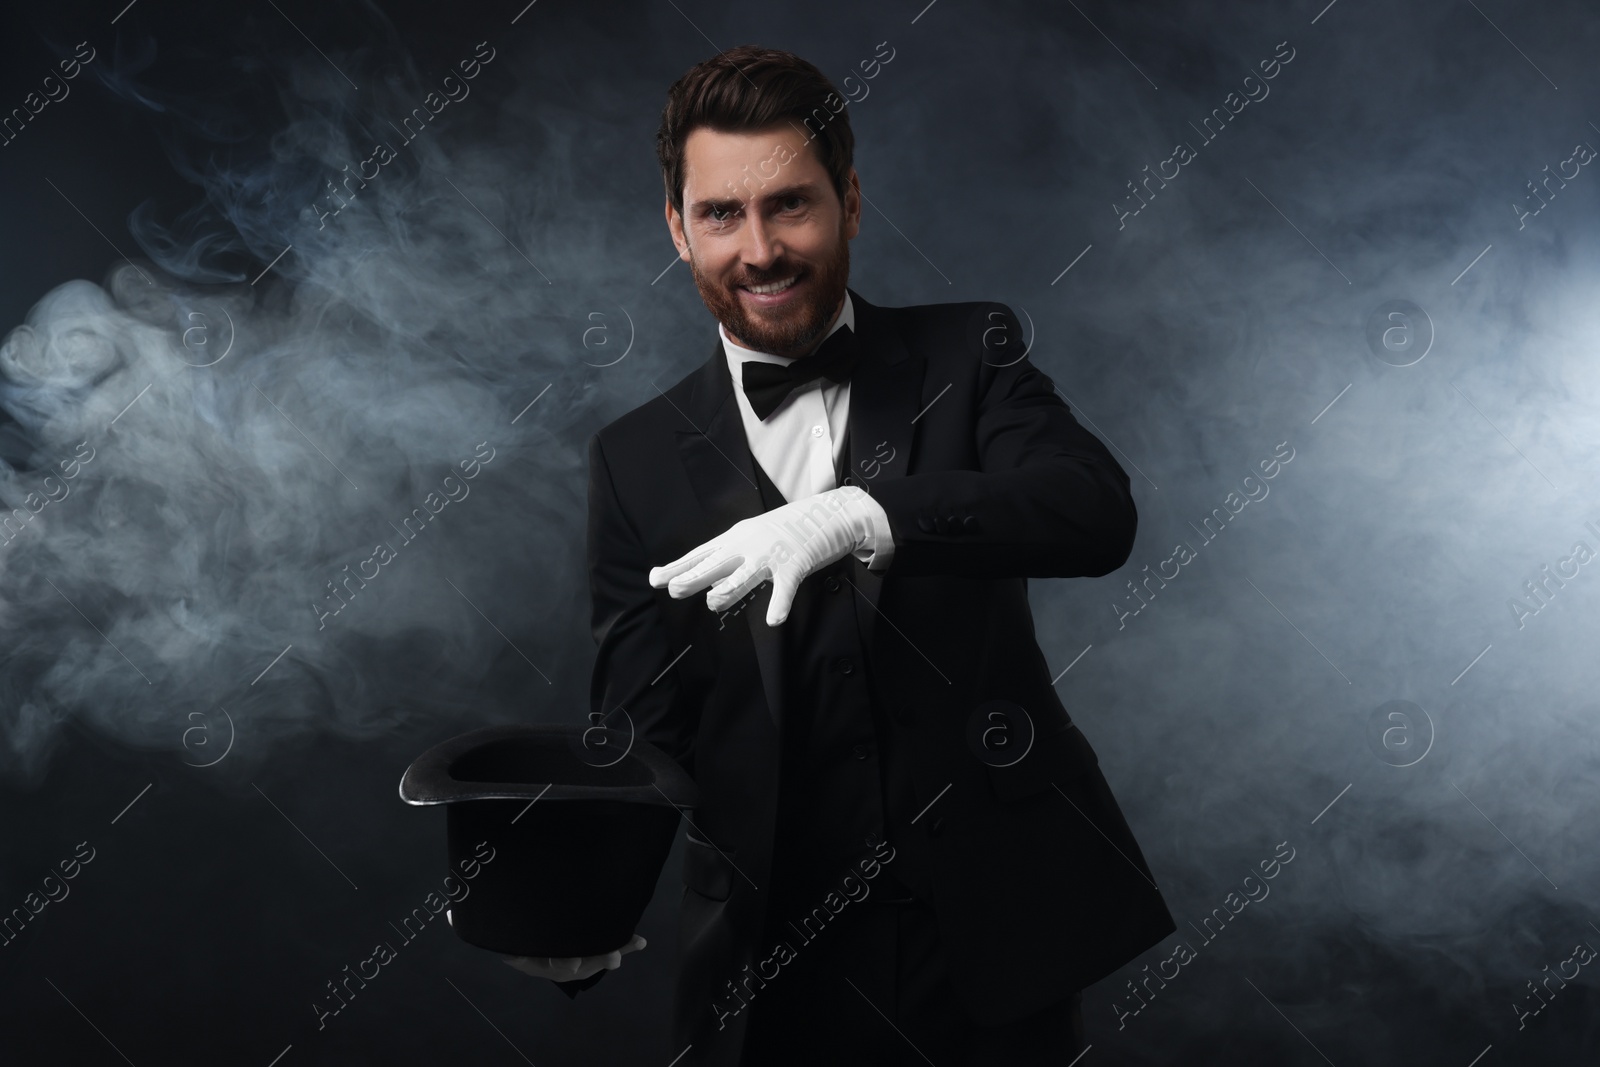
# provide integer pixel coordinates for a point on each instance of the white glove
(785, 544)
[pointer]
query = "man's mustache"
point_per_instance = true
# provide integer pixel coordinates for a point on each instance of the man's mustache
(774, 276)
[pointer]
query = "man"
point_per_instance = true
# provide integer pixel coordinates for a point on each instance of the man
(904, 850)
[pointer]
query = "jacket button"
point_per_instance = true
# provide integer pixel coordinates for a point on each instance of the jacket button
(970, 524)
(844, 666)
(862, 751)
(833, 584)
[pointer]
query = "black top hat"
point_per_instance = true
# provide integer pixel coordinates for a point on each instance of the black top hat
(564, 830)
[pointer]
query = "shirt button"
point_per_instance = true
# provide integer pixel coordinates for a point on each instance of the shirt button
(844, 666)
(816, 431)
(862, 752)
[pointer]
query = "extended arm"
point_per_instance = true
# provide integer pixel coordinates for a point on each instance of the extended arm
(627, 685)
(1048, 502)
(628, 627)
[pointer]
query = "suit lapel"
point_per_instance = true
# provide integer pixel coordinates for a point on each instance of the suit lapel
(884, 392)
(721, 468)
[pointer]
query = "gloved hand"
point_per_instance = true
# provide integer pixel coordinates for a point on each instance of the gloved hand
(785, 544)
(573, 968)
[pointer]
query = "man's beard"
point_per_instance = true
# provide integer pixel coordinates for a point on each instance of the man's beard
(792, 330)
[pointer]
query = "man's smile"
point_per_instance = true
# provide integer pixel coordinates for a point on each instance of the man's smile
(771, 293)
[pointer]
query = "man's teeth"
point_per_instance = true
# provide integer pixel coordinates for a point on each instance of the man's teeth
(775, 287)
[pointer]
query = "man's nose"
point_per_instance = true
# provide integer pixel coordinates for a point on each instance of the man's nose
(761, 247)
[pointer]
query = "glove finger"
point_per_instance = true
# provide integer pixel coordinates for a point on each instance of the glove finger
(737, 585)
(717, 566)
(660, 576)
(783, 590)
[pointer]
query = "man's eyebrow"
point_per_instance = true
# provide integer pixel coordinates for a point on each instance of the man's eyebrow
(733, 202)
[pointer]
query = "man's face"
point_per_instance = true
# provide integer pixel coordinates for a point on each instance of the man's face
(759, 210)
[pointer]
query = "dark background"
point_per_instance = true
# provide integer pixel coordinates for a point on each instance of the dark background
(1443, 860)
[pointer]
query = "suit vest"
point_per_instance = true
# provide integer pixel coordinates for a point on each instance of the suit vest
(844, 763)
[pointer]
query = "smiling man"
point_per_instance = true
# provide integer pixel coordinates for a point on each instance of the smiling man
(904, 849)
(770, 257)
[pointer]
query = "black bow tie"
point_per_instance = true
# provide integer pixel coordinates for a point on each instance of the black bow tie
(767, 384)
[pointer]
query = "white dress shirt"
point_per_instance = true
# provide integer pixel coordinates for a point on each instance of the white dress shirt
(801, 441)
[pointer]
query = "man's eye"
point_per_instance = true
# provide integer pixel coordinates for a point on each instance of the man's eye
(795, 200)
(717, 214)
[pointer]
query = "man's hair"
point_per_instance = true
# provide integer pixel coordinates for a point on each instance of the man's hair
(749, 88)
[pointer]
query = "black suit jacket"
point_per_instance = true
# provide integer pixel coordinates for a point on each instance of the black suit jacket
(1038, 885)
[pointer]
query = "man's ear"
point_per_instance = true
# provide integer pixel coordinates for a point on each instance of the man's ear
(675, 226)
(852, 205)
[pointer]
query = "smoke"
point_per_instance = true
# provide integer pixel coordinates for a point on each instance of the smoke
(1233, 700)
(325, 494)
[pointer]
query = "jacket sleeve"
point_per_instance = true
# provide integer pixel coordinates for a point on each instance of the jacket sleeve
(635, 668)
(631, 670)
(1048, 501)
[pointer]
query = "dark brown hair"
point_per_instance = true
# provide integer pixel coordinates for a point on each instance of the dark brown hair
(749, 88)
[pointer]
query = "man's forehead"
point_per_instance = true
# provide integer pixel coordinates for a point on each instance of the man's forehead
(716, 156)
